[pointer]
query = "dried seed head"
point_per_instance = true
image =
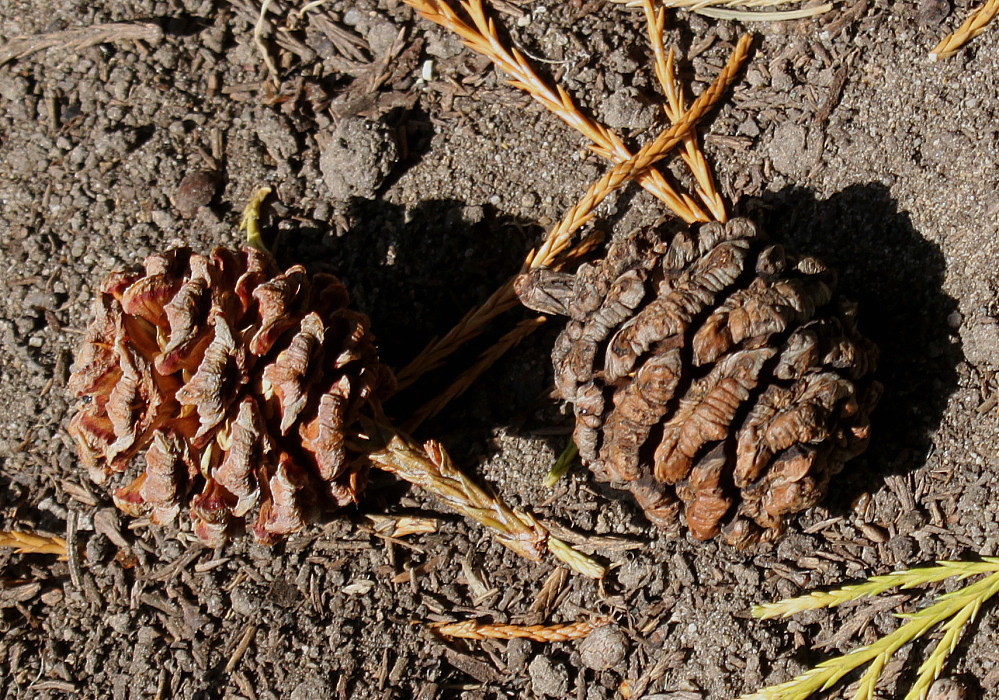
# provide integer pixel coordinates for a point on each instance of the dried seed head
(711, 373)
(237, 385)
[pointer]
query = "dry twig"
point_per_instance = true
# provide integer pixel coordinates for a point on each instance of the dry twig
(558, 238)
(78, 39)
(431, 468)
(674, 108)
(721, 9)
(460, 385)
(481, 36)
(972, 27)
(470, 629)
(30, 543)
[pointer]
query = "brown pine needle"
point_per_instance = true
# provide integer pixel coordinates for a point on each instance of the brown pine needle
(674, 108)
(558, 238)
(30, 543)
(470, 629)
(468, 377)
(648, 155)
(481, 36)
(431, 469)
(972, 27)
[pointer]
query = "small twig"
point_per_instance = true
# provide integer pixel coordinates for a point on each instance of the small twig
(30, 543)
(558, 238)
(240, 650)
(710, 8)
(972, 27)
(460, 385)
(77, 39)
(470, 629)
(431, 469)
(258, 39)
(72, 553)
(482, 37)
(674, 108)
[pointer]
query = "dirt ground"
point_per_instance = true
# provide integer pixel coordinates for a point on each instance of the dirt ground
(423, 195)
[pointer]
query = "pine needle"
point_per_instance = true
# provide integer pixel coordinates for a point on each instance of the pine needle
(972, 27)
(30, 543)
(562, 464)
(431, 469)
(953, 612)
(460, 385)
(482, 37)
(470, 629)
(559, 237)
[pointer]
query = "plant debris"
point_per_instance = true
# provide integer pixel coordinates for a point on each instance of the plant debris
(712, 373)
(953, 612)
(235, 382)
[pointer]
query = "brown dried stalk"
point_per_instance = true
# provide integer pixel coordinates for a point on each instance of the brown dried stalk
(972, 27)
(77, 39)
(432, 469)
(558, 238)
(470, 629)
(650, 154)
(674, 108)
(460, 385)
(30, 543)
(481, 37)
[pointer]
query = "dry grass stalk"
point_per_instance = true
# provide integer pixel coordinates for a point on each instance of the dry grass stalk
(460, 385)
(77, 39)
(972, 27)
(721, 9)
(558, 238)
(470, 629)
(30, 543)
(431, 468)
(402, 525)
(481, 36)
(258, 40)
(674, 108)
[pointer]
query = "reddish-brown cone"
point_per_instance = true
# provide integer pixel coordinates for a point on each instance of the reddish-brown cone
(237, 385)
(712, 374)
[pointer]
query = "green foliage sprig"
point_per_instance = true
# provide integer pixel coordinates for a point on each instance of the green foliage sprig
(951, 611)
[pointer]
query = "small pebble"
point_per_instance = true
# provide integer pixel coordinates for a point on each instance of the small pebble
(603, 648)
(947, 689)
(196, 190)
(548, 679)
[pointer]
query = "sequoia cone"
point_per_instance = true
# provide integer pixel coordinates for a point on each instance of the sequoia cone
(710, 373)
(234, 382)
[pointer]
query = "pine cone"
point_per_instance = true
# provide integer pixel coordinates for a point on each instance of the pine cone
(236, 383)
(729, 367)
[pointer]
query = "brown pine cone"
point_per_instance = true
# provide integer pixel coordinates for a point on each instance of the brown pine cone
(712, 373)
(236, 383)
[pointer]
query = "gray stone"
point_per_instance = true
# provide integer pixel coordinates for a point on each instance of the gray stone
(357, 158)
(548, 679)
(604, 648)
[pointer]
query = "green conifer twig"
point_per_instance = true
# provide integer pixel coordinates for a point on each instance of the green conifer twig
(953, 612)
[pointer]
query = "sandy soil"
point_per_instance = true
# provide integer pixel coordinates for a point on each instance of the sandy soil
(423, 196)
